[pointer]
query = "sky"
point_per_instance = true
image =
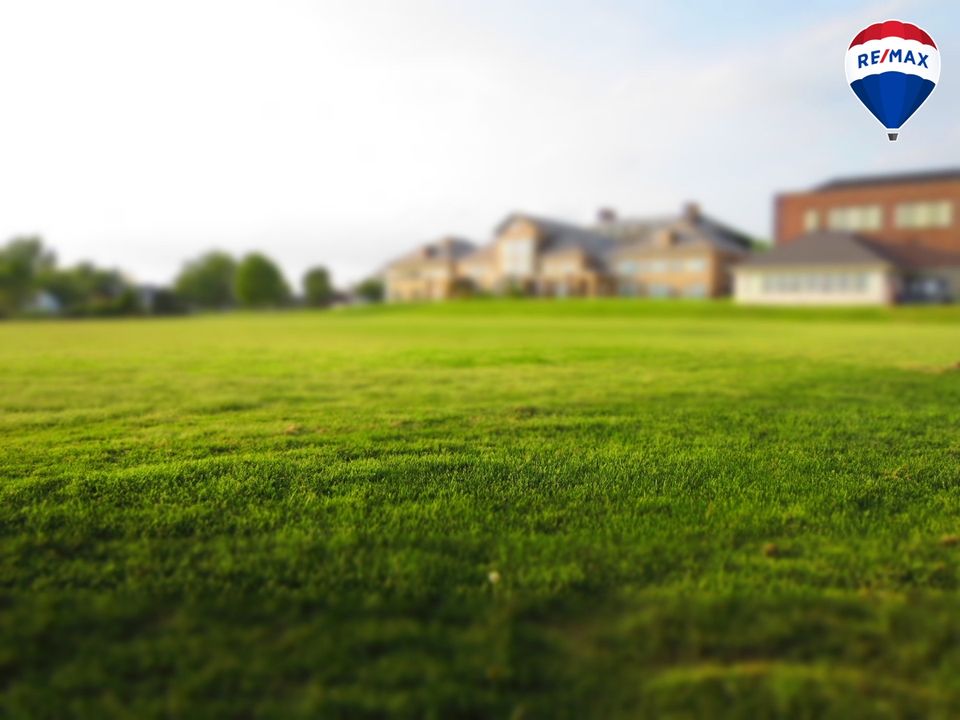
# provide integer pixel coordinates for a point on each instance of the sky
(345, 132)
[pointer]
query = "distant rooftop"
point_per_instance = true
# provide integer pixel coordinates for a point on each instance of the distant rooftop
(448, 248)
(894, 179)
(833, 248)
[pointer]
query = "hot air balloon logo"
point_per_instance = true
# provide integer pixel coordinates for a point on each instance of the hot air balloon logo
(893, 67)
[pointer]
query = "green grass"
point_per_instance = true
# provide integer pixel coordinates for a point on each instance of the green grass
(692, 510)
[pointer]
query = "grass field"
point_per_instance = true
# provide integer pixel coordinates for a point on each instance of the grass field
(491, 509)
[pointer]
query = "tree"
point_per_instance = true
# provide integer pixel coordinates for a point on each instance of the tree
(370, 290)
(22, 261)
(317, 290)
(208, 282)
(88, 290)
(259, 283)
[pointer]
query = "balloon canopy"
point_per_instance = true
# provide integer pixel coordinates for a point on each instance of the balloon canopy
(893, 67)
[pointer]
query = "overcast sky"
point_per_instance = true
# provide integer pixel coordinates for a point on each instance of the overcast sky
(138, 133)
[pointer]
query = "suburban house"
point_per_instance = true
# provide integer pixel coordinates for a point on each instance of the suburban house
(686, 256)
(868, 240)
(689, 255)
(428, 273)
(530, 255)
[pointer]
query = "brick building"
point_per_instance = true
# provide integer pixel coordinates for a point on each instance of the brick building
(864, 240)
(905, 210)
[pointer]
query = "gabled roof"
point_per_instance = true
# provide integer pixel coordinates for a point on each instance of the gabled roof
(824, 248)
(602, 242)
(702, 231)
(558, 236)
(448, 248)
(892, 179)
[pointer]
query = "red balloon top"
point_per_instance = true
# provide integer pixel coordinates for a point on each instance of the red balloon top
(893, 28)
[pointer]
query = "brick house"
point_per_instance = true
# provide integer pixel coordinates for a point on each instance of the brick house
(902, 210)
(906, 223)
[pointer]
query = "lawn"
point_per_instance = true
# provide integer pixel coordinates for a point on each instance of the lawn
(489, 509)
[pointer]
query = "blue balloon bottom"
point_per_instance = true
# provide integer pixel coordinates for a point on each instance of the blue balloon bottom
(892, 97)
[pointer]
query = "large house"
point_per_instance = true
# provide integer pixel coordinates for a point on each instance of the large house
(867, 240)
(689, 255)
(535, 256)
(428, 273)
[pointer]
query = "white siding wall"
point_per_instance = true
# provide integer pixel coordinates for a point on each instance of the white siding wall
(813, 286)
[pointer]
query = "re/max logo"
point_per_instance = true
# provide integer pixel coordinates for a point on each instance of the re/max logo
(875, 58)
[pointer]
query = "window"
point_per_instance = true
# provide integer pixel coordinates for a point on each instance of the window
(924, 215)
(811, 220)
(518, 257)
(658, 266)
(628, 267)
(660, 291)
(695, 291)
(777, 283)
(859, 217)
(696, 265)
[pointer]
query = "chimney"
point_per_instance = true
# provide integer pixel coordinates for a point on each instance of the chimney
(691, 212)
(606, 216)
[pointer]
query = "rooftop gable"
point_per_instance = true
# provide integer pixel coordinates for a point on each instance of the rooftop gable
(446, 249)
(558, 236)
(701, 231)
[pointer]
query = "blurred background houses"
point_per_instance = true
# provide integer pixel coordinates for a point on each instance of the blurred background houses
(861, 241)
(875, 240)
(686, 255)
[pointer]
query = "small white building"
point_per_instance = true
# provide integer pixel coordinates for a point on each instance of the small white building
(837, 268)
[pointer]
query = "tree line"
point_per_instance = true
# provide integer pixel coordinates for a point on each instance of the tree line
(32, 283)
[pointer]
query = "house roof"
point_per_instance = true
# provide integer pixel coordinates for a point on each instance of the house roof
(448, 248)
(843, 248)
(916, 256)
(893, 179)
(603, 241)
(700, 231)
(824, 248)
(561, 236)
